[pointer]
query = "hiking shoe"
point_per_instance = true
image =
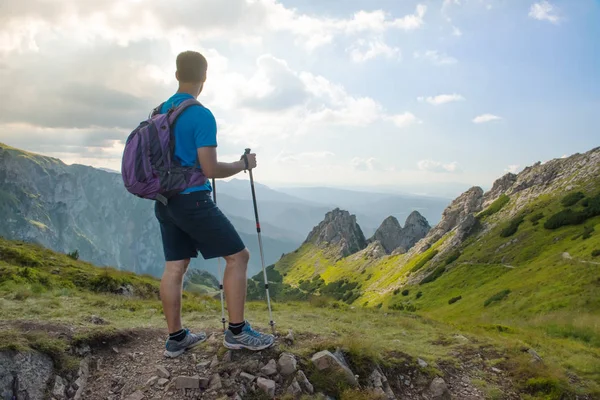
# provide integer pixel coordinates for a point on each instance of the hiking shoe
(248, 339)
(175, 348)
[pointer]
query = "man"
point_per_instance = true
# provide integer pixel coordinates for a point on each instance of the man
(192, 222)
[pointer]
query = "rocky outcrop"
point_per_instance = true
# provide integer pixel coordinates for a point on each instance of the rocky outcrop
(500, 186)
(459, 213)
(339, 229)
(25, 375)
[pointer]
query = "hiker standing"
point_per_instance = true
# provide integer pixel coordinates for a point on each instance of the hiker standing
(191, 221)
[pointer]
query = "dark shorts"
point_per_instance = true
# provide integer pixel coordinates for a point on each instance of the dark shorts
(191, 223)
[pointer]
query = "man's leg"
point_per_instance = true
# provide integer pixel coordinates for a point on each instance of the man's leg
(234, 283)
(171, 286)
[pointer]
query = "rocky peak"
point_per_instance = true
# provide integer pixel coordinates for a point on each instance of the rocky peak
(416, 228)
(339, 228)
(389, 234)
(393, 237)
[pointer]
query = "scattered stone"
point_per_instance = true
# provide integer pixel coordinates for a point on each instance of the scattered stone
(566, 256)
(99, 364)
(251, 366)
(215, 383)
(247, 377)
(162, 382)
(203, 364)
(137, 395)
(439, 389)
(324, 360)
(115, 350)
(294, 389)
(214, 362)
(163, 372)
(306, 386)
(496, 370)
(227, 357)
(96, 320)
(187, 382)
(422, 363)
(83, 350)
(534, 356)
(270, 368)
(287, 364)
(152, 381)
(59, 388)
(267, 386)
(204, 382)
(289, 339)
(237, 397)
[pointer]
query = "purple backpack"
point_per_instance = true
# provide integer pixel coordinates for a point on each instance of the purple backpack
(149, 168)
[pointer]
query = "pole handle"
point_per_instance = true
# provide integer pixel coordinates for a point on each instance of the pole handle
(246, 152)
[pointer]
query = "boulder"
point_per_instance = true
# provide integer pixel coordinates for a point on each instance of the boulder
(24, 375)
(326, 361)
(270, 368)
(287, 364)
(267, 386)
(439, 390)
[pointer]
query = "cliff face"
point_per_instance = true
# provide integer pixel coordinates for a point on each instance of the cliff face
(75, 207)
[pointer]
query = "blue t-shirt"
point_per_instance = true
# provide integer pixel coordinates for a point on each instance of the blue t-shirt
(195, 127)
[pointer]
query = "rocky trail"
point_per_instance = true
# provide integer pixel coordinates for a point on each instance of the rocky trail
(131, 366)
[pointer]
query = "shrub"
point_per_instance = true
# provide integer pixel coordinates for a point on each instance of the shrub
(379, 305)
(571, 217)
(419, 295)
(535, 218)
(398, 307)
(410, 307)
(596, 253)
(494, 207)
(452, 257)
(572, 198)
(497, 297)
(74, 255)
(405, 292)
(587, 232)
(424, 261)
(439, 271)
(454, 299)
(512, 227)
(396, 291)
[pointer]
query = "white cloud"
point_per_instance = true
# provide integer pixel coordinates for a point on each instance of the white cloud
(437, 166)
(363, 50)
(512, 168)
(485, 118)
(294, 158)
(456, 31)
(435, 57)
(366, 164)
(404, 120)
(544, 11)
(441, 99)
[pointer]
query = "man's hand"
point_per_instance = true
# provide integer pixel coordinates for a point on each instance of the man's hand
(251, 160)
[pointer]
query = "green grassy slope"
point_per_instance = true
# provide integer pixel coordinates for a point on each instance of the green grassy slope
(44, 292)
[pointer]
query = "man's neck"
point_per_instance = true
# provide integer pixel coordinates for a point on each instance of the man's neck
(192, 90)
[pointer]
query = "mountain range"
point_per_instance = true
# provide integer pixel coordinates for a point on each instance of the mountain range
(76, 207)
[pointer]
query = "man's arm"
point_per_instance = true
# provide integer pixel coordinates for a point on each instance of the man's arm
(218, 170)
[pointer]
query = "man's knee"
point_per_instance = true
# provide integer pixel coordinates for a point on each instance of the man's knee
(178, 267)
(240, 258)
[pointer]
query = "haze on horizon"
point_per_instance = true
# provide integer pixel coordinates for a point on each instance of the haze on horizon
(423, 96)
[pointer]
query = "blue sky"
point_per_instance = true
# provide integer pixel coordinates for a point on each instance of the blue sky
(296, 81)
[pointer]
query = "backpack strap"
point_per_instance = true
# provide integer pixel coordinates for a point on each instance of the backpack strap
(156, 110)
(174, 113)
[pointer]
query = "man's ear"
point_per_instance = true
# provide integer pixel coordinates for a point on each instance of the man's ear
(177, 75)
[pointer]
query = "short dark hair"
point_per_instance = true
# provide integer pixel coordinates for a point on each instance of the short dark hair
(191, 67)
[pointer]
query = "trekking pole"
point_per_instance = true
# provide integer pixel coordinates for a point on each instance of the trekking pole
(262, 257)
(219, 265)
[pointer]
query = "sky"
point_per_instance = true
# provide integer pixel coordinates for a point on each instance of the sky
(415, 95)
